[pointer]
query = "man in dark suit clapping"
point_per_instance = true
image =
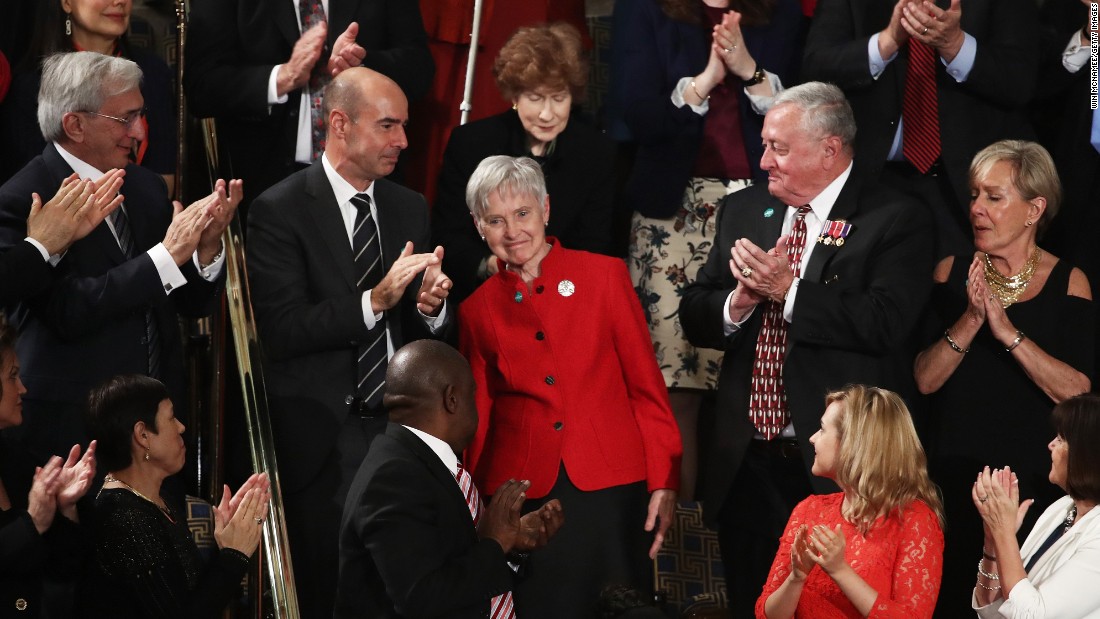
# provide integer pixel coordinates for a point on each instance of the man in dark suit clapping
(340, 277)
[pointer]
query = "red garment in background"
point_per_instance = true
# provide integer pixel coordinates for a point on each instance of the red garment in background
(5, 76)
(449, 24)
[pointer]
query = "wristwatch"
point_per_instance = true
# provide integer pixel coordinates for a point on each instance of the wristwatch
(758, 76)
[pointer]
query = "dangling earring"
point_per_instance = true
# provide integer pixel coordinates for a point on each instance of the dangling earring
(146, 454)
(68, 25)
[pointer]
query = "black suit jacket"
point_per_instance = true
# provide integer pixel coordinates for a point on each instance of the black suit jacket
(579, 178)
(234, 44)
(408, 547)
(23, 272)
(987, 107)
(89, 323)
(309, 311)
(854, 314)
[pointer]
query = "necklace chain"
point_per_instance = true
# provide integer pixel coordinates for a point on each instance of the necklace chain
(1008, 290)
(163, 508)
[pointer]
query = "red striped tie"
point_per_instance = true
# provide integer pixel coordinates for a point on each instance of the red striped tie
(920, 109)
(767, 397)
(501, 606)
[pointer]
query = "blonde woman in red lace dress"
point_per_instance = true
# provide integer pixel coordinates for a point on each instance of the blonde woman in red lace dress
(876, 548)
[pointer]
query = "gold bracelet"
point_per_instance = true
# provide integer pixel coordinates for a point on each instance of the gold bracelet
(954, 345)
(701, 97)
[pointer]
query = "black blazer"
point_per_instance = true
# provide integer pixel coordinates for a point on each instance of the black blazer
(579, 180)
(854, 314)
(89, 323)
(987, 107)
(408, 547)
(23, 272)
(309, 311)
(234, 44)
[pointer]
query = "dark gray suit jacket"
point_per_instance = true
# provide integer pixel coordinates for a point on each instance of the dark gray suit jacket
(854, 313)
(408, 547)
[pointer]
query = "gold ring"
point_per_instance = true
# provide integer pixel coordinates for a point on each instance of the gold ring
(746, 272)
(730, 49)
(925, 31)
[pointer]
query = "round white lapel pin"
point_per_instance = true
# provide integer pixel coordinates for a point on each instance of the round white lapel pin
(566, 288)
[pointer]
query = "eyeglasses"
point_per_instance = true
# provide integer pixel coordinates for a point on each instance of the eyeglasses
(129, 120)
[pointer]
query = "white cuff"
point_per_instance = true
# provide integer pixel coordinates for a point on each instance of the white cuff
(273, 88)
(170, 275)
(678, 97)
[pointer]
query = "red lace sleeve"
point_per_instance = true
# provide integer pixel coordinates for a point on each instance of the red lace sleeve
(805, 511)
(917, 568)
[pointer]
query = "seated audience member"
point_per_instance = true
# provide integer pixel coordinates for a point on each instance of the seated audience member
(569, 395)
(1011, 334)
(1055, 572)
(77, 208)
(147, 564)
(876, 547)
(415, 539)
(114, 302)
(38, 534)
(92, 26)
(543, 72)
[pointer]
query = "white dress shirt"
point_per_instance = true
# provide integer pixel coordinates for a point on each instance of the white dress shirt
(303, 146)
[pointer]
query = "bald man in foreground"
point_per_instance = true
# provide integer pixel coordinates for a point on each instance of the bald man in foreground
(409, 546)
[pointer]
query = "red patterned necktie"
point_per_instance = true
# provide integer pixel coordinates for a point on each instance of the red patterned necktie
(501, 606)
(920, 113)
(312, 12)
(767, 397)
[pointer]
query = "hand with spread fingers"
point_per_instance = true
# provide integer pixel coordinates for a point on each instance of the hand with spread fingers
(935, 27)
(767, 274)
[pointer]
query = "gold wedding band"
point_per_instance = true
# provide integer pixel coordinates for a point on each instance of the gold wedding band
(925, 31)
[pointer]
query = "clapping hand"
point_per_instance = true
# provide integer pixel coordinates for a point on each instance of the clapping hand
(346, 53)
(500, 519)
(827, 548)
(435, 287)
(801, 556)
(74, 480)
(238, 520)
(42, 499)
(537, 527)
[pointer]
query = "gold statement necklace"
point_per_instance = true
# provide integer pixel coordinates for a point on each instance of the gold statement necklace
(1008, 290)
(163, 508)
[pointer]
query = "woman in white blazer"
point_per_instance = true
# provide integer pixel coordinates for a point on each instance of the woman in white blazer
(1056, 573)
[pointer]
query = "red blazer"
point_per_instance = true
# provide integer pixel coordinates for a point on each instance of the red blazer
(566, 373)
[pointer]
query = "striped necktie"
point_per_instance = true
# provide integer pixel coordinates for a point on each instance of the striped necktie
(501, 606)
(367, 249)
(768, 408)
(920, 113)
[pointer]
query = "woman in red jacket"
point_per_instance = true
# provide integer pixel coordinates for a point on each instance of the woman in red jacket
(569, 396)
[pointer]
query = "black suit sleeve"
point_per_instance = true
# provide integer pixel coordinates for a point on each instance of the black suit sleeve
(218, 77)
(452, 224)
(835, 51)
(396, 520)
(704, 301)
(294, 318)
(23, 273)
(405, 57)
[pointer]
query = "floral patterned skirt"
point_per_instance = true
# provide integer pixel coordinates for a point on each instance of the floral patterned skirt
(665, 255)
